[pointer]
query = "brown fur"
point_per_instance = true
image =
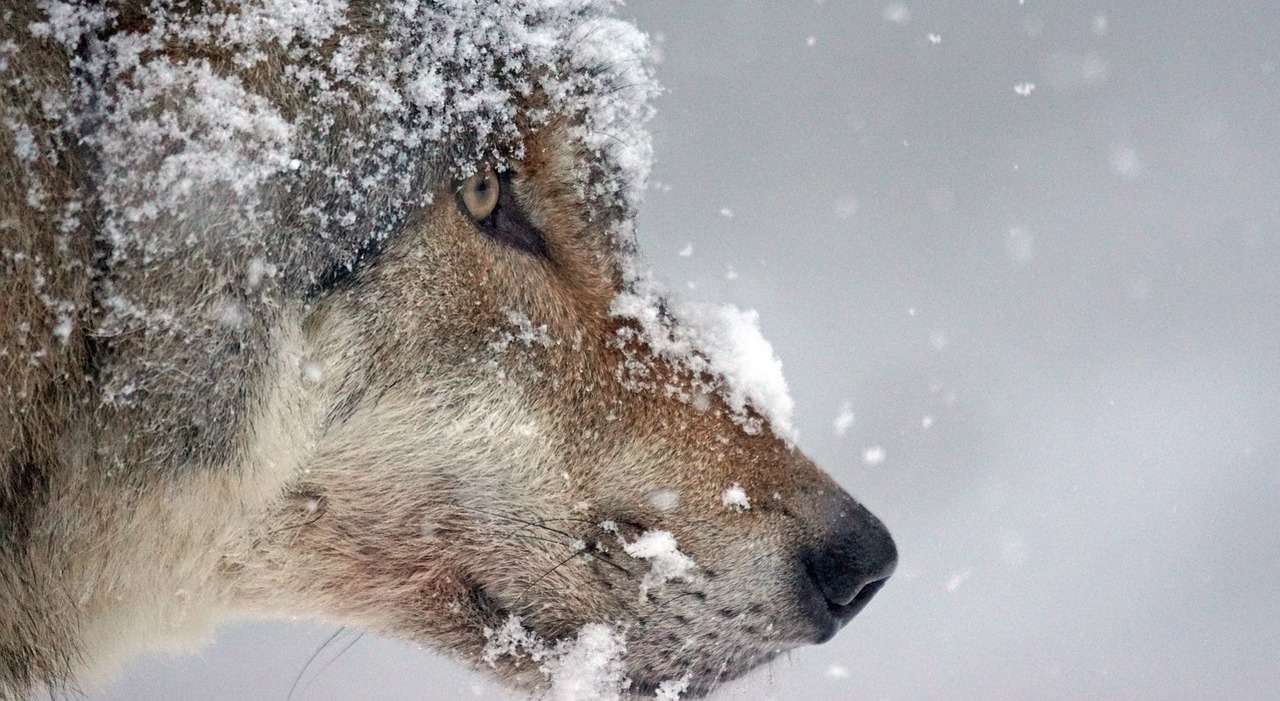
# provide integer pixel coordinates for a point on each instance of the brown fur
(380, 453)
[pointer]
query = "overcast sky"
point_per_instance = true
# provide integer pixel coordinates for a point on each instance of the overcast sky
(1033, 249)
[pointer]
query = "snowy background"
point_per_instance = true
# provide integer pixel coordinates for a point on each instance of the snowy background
(1022, 264)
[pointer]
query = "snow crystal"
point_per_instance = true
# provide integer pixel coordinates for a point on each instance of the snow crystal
(735, 497)
(1019, 245)
(935, 38)
(8, 48)
(511, 640)
(939, 339)
(846, 207)
(1125, 161)
(526, 333)
(24, 141)
(926, 421)
(844, 420)
(1100, 24)
(666, 560)
(873, 455)
(588, 668)
(836, 671)
(664, 499)
(687, 250)
(897, 13)
(257, 271)
(1024, 88)
(720, 346)
(957, 579)
(312, 372)
(671, 689)
(62, 330)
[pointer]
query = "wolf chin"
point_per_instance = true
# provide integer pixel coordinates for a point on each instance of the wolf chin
(333, 310)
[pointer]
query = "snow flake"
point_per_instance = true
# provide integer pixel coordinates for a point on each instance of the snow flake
(1020, 246)
(844, 419)
(664, 499)
(719, 346)
(671, 689)
(665, 559)
(735, 497)
(957, 579)
(62, 330)
(588, 668)
(897, 13)
(526, 333)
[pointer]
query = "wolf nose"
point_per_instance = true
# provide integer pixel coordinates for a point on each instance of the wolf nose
(851, 560)
(857, 558)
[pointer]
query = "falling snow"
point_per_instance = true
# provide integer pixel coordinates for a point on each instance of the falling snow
(844, 419)
(873, 455)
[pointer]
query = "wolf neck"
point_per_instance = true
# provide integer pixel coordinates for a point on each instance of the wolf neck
(111, 567)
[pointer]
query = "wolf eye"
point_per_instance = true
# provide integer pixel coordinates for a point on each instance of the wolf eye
(480, 193)
(490, 199)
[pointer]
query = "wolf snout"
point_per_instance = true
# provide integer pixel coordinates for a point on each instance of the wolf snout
(852, 557)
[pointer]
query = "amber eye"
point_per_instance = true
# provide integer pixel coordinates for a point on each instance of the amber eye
(480, 193)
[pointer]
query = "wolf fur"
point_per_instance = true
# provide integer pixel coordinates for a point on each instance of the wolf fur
(256, 358)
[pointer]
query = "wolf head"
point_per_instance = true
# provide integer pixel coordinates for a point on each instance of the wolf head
(369, 341)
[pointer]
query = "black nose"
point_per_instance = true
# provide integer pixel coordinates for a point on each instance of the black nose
(853, 556)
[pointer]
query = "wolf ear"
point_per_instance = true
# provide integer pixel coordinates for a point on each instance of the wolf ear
(489, 199)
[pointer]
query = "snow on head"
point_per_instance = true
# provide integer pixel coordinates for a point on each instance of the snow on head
(302, 135)
(719, 345)
(449, 85)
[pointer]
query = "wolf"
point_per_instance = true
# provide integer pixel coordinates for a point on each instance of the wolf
(334, 310)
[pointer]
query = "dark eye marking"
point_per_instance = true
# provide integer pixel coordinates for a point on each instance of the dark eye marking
(504, 221)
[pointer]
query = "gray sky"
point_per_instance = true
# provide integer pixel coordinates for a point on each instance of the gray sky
(1035, 247)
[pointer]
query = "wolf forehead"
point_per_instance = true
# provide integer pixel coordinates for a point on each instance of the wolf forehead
(352, 111)
(268, 151)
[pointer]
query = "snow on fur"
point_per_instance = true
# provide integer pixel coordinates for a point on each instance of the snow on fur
(358, 130)
(190, 150)
(719, 346)
(665, 559)
(735, 497)
(587, 668)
